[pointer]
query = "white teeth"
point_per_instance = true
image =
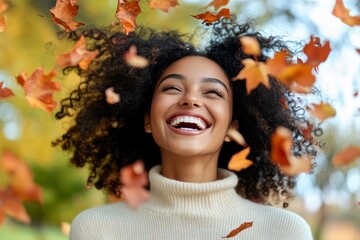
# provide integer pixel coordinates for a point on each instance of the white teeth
(188, 119)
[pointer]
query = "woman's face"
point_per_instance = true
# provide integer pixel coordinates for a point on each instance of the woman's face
(191, 108)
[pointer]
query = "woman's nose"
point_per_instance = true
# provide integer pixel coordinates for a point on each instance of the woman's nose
(190, 100)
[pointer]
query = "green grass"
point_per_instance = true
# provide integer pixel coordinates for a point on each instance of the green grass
(11, 230)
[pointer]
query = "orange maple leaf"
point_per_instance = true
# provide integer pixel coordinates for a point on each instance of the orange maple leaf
(5, 92)
(217, 4)
(321, 111)
(39, 88)
(346, 156)
(316, 52)
(2, 24)
(344, 14)
(134, 178)
(208, 17)
(254, 73)
(77, 56)
(63, 14)
(250, 45)
(12, 206)
(240, 228)
(127, 12)
(163, 4)
(239, 161)
(135, 60)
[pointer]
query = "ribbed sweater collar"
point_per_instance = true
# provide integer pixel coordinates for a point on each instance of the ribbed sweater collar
(217, 198)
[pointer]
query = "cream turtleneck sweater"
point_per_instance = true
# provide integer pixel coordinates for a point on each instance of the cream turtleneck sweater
(181, 210)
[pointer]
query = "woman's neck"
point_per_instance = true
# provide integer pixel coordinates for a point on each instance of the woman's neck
(196, 169)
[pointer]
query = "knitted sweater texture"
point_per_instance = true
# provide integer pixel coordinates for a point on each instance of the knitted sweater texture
(181, 210)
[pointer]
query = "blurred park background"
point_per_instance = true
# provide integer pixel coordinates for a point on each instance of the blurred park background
(329, 199)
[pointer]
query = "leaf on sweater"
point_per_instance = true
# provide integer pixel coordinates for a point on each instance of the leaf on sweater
(239, 161)
(79, 55)
(344, 14)
(163, 4)
(346, 156)
(208, 17)
(126, 13)
(217, 4)
(134, 178)
(240, 228)
(39, 88)
(5, 92)
(135, 60)
(63, 14)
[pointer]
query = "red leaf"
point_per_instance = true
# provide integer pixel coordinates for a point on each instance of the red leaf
(344, 14)
(5, 92)
(254, 73)
(11, 205)
(208, 17)
(39, 88)
(2, 24)
(217, 4)
(135, 60)
(134, 179)
(250, 45)
(77, 56)
(63, 14)
(163, 4)
(127, 12)
(239, 161)
(316, 52)
(237, 230)
(346, 156)
(321, 111)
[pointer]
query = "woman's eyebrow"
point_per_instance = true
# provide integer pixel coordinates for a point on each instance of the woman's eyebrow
(172, 75)
(214, 80)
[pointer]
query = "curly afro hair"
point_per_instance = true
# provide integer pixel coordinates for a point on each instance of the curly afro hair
(106, 137)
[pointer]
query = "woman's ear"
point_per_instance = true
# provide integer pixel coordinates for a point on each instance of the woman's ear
(147, 126)
(234, 135)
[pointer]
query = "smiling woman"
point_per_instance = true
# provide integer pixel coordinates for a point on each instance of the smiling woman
(176, 114)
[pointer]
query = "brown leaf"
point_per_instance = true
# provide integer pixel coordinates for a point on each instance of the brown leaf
(77, 56)
(39, 88)
(208, 17)
(135, 60)
(127, 12)
(281, 145)
(63, 14)
(5, 92)
(321, 111)
(344, 14)
(346, 156)
(217, 4)
(254, 73)
(284, 104)
(307, 131)
(239, 161)
(250, 45)
(133, 178)
(111, 96)
(316, 52)
(237, 230)
(2, 24)
(163, 4)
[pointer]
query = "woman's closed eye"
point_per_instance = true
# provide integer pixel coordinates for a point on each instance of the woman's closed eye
(215, 91)
(170, 87)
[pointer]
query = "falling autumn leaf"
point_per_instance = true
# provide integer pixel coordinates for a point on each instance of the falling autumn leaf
(237, 230)
(344, 14)
(127, 12)
(3, 6)
(297, 165)
(12, 206)
(321, 111)
(346, 156)
(79, 55)
(63, 14)
(39, 88)
(307, 131)
(163, 4)
(283, 103)
(111, 96)
(250, 45)
(217, 4)
(208, 17)
(2, 24)
(134, 178)
(5, 92)
(135, 60)
(316, 52)
(254, 73)
(239, 161)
